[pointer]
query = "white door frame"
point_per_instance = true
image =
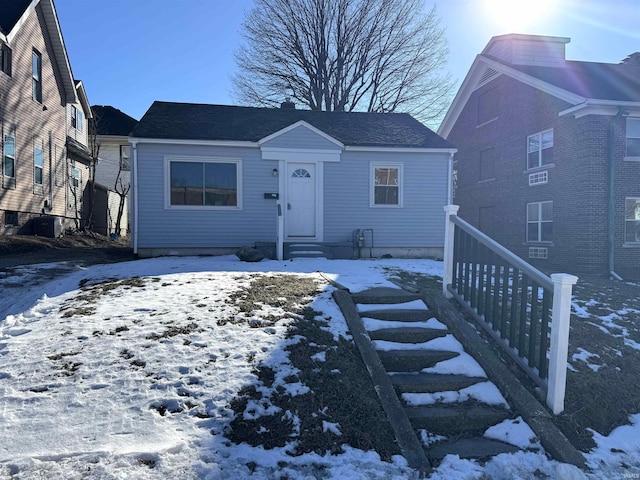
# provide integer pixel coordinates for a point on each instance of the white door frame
(283, 168)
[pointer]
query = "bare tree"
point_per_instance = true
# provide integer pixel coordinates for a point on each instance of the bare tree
(345, 55)
(94, 152)
(122, 189)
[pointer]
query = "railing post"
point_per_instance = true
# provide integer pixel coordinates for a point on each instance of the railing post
(560, 319)
(280, 234)
(449, 230)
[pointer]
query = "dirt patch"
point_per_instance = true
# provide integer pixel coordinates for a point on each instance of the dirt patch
(89, 247)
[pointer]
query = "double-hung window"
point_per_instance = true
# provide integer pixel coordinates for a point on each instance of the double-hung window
(5, 59)
(9, 155)
(632, 220)
(633, 137)
(125, 155)
(540, 149)
(213, 183)
(540, 222)
(38, 162)
(386, 188)
(76, 118)
(36, 76)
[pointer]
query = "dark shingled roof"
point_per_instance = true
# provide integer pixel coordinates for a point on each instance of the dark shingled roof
(111, 121)
(602, 81)
(10, 13)
(221, 122)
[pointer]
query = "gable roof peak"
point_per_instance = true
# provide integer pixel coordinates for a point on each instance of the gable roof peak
(521, 49)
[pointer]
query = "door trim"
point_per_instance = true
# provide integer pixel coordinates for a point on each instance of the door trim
(283, 166)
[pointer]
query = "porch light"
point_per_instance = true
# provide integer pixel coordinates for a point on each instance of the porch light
(274, 172)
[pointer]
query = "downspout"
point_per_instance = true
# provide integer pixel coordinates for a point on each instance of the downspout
(51, 171)
(134, 236)
(611, 212)
(450, 180)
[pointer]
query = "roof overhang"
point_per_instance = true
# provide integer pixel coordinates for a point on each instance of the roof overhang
(84, 101)
(602, 107)
(57, 44)
(472, 82)
(77, 151)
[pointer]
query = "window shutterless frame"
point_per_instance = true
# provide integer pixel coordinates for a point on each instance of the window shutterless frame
(38, 162)
(203, 183)
(386, 184)
(540, 149)
(632, 220)
(36, 76)
(633, 138)
(9, 154)
(540, 222)
(5, 59)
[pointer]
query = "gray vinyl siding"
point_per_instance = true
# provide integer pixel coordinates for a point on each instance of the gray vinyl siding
(162, 228)
(418, 223)
(301, 137)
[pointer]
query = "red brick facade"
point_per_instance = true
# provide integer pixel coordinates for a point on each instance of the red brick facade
(577, 179)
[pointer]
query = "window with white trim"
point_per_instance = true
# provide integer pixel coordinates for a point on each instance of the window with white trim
(36, 76)
(204, 183)
(38, 162)
(386, 185)
(540, 149)
(9, 154)
(125, 155)
(632, 220)
(76, 118)
(540, 222)
(633, 137)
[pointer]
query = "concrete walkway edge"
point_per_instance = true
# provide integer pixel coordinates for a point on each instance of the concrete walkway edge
(523, 401)
(409, 444)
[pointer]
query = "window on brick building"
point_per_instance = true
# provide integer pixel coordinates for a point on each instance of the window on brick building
(632, 220)
(540, 222)
(487, 166)
(488, 106)
(540, 149)
(633, 137)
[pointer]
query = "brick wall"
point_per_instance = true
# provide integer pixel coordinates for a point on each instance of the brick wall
(577, 180)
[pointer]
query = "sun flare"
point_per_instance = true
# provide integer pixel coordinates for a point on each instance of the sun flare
(515, 15)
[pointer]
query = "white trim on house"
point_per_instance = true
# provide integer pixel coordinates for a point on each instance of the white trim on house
(372, 177)
(178, 141)
(450, 151)
(300, 155)
(21, 20)
(301, 123)
(197, 159)
(602, 107)
(283, 184)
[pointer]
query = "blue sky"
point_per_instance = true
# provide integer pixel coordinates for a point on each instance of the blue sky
(132, 52)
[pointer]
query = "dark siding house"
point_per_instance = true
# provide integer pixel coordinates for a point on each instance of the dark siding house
(548, 160)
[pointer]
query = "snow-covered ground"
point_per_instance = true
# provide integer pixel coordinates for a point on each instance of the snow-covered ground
(95, 384)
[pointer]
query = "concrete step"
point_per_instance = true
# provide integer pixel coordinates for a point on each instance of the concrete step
(432, 382)
(399, 315)
(384, 295)
(455, 419)
(477, 448)
(412, 361)
(407, 334)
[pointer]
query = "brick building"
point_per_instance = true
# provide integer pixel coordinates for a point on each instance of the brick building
(43, 121)
(548, 160)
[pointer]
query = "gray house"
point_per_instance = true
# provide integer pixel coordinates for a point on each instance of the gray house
(212, 178)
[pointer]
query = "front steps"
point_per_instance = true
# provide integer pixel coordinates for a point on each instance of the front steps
(415, 350)
(303, 249)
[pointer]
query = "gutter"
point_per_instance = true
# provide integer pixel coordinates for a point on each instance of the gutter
(611, 209)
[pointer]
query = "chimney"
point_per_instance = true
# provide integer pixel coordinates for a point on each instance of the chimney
(288, 104)
(519, 49)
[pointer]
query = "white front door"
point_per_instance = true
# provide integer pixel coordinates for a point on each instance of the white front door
(301, 200)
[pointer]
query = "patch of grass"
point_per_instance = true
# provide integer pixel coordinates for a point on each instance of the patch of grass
(175, 330)
(82, 305)
(340, 392)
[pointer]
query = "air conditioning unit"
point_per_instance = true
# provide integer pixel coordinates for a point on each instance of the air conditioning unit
(48, 226)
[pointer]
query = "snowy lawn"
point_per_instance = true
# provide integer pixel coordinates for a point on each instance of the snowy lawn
(150, 369)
